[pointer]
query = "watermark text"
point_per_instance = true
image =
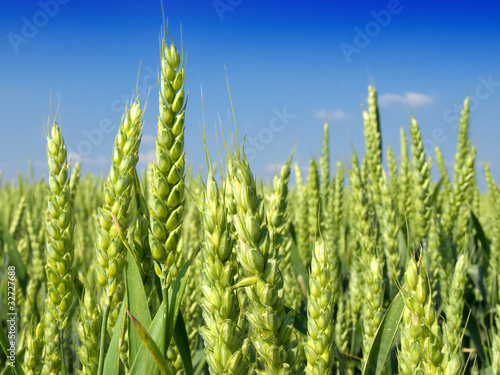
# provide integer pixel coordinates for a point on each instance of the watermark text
(12, 316)
(32, 25)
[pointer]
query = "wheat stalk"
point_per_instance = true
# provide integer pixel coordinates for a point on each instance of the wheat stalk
(271, 331)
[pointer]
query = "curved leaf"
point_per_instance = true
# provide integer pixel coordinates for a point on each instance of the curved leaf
(112, 360)
(485, 242)
(299, 269)
(386, 332)
(164, 321)
(153, 349)
(143, 363)
(137, 303)
(299, 322)
(176, 294)
(182, 344)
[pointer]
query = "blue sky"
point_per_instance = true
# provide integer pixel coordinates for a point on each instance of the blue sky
(288, 64)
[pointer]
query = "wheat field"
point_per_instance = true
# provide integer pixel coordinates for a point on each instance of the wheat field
(357, 268)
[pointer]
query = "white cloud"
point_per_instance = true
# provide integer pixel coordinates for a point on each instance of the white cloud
(413, 99)
(148, 138)
(337, 115)
(100, 160)
(146, 157)
(73, 156)
(274, 167)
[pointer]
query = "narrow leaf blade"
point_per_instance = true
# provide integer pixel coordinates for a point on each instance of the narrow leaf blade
(485, 242)
(112, 360)
(151, 346)
(386, 333)
(298, 267)
(182, 344)
(176, 294)
(144, 364)
(473, 329)
(137, 303)
(300, 321)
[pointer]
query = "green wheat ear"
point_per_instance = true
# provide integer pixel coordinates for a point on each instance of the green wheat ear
(167, 195)
(313, 204)
(88, 332)
(320, 324)
(59, 249)
(114, 215)
(324, 168)
(405, 184)
(422, 183)
(34, 350)
(114, 218)
(223, 338)
(59, 228)
(302, 216)
(373, 156)
(272, 327)
(455, 305)
(226, 348)
(494, 264)
(390, 229)
(276, 215)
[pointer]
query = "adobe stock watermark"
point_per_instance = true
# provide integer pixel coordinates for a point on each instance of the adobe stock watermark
(364, 36)
(31, 26)
(11, 334)
(94, 137)
(483, 90)
(223, 6)
(278, 123)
